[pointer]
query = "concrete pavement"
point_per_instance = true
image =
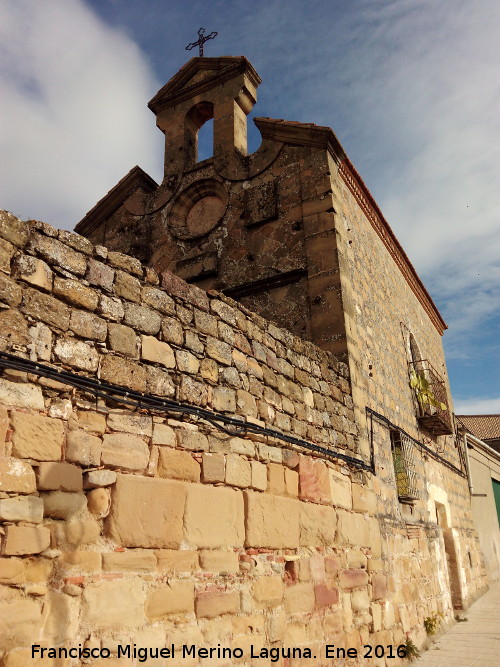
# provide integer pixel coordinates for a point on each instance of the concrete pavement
(474, 642)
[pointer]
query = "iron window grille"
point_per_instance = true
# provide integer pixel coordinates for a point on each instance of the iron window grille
(403, 456)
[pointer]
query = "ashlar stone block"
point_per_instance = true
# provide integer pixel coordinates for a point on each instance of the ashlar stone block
(37, 437)
(124, 451)
(16, 476)
(83, 448)
(178, 464)
(174, 598)
(59, 477)
(271, 521)
(22, 508)
(118, 603)
(318, 525)
(21, 540)
(214, 517)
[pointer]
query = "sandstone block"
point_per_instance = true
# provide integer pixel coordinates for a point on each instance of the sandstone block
(268, 591)
(7, 251)
(36, 437)
(118, 603)
(172, 331)
(21, 508)
(300, 599)
(219, 561)
(291, 483)
(55, 252)
(259, 475)
(159, 382)
(363, 499)
(172, 561)
(379, 586)
(20, 622)
(125, 262)
(10, 292)
(317, 525)
(353, 529)
(314, 481)
(187, 362)
(77, 353)
(224, 399)
(142, 319)
(219, 351)
(16, 476)
(124, 372)
(158, 299)
(122, 339)
(192, 440)
(89, 420)
(341, 490)
(178, 464)
(83, 448)
(326, 595)
(59, 618)
(82, 532)
(21, 395)
(209, 370)
(33, 271)
(147, 512)
(127, 287)
(99, 478)
(75, 562)
(276, 479)
(271, 521)
(20, 540)
(163, 435)
(12, 571)
(360, 601)
(13, 327)
(353, 578)
(128, 422)
(63, 505)
(13, 230)
(211, 604)
(45, 308)
(214, 517)
(124, 451)
(173, 598)
(88, 325)
(75, 293)
(157, 352)
(111, 308)
(213, 468)
(100, 274)
(136, 560)
(59, 476)
(98, 501)
(238, 471)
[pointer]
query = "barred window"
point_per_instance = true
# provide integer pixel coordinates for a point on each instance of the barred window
(403, 456)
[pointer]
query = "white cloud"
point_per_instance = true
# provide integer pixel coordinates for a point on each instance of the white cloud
(73, 117)
(485, 406)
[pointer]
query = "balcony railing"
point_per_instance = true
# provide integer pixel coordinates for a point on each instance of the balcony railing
(431, 398)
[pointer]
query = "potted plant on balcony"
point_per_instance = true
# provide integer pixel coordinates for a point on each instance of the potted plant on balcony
(425, 395)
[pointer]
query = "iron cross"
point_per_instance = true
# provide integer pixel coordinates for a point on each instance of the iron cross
(201, 40)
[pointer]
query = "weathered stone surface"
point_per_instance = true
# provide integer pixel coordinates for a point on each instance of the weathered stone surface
(13, 230)
(211, 604)
(353, 529)
(219, 561)
(300, 599)
(276, 479)
(187, 362)
(213, 468)
(59, 476)
(13, 327)
(158, 299)
(174, 598)
(21, 395)
(75, 241)
(22, 508)
(20, 540)
(55, 252)
(238, 471)
(171, 561)
(63, 504)
(124, 451)
(12, 571)
(60, 618)
(317, 525)
(89, 420)
(224, 399)
(147, 512)
(98, 501)
(7, 251)
(123, 339)
(214, 517)
(37, 437)
(192, 440)
(259, 476)
(83, 448)
(353, 578)
(88, 325)
(172, 331)
(326, 595)
(219, 351)
(125, 372)
(314, 481)
(143, 319)
(82, 532)
(178, 464)
(271, 521)
(127, 422)
(379, 586)
(156, 351)
(45, 308)
(75, 293)
(20, 622)
(77, 353)
(99, 478)
(163, 435)
(75, 562)
(127, 287)
(111, 308)
(10, 292)
(118, 603)
(125, 262)
(129, 561)
(16, 476)
(100, 274)
(341, 490)
(363, 499)
(268, 591)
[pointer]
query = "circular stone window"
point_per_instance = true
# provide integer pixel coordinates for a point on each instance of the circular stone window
(198, 209)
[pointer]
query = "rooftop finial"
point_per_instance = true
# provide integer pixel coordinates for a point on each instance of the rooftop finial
(201, 40)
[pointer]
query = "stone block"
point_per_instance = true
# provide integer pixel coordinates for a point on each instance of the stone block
(268, 591)
(100, 274)
(98, 500)
(128, 422)
(83, 448)
(172, 561)
(16, 476)
(214, 517)
(291, 483)
(127, 287)
(124, 372)
(326, 596)
(341, 489)
(21, 508)
(142, 319)
(238, 471)
(14, 230)
(224, 399)
(300, 599)
(187, 362)
(78, 354)
(76, 562)
(314, 481)
(125, 451)
(157, 352)
(318, 524)
(55, 252)
(158, 299)
(59, 618)
(363, 499)
(192, 440)
(89, 420)
(117, 603)
(136, 560)
(172, 331)
(353, 578)
(12, 571)
(13, 327)
(75, 293)
(37, 437)
(63, 505)
(7, 251)
(82, 532)
(99, 478)
(122, 339)
(163, 435)
(219, 561)
(353, 529)
(20, 622)
(379, 586)
(178, 464)
(59, 476)
(210, 604)
(259, 476)
(21, 395)
(88, 325)
(360, 601)
(276, 479)
(45, 308)
(111, 308)
(213, 468)
(271, 521)
(147, 512)
(219, 351)
(21, 540)
(173, 598)
(10, 291)
(125, 262)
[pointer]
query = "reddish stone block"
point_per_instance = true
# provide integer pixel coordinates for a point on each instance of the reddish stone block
(353, 578)
(326, 595)
(314, 481)
(379, 586)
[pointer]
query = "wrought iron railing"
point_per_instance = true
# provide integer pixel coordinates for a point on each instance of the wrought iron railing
(431, 398)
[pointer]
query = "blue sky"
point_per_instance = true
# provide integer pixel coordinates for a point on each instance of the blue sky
(410, 87)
